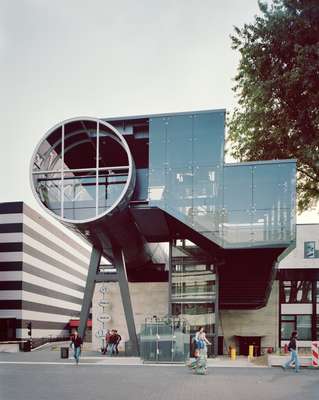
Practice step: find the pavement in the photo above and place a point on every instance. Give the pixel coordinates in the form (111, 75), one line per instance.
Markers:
(43, 375)
(50, 354)
(89, 381)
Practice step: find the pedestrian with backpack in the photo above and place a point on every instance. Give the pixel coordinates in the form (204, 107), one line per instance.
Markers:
(293, 348)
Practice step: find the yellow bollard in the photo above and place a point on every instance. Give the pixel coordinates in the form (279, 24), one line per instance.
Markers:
(233, 354)
(251, 352)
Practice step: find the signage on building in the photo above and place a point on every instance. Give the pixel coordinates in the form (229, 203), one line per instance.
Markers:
(101, 333)
(104, 318)
(104, 303)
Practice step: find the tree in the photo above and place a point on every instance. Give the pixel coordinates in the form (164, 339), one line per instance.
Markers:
(277, 86)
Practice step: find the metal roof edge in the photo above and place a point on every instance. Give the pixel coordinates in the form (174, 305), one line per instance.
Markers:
(276, 161)
(130, 117)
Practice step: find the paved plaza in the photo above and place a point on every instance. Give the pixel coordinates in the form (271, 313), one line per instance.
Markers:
(44, 376)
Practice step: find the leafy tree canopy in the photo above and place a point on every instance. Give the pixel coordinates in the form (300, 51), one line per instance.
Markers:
(277, 86)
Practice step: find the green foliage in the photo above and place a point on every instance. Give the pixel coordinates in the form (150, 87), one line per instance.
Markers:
(277, 87)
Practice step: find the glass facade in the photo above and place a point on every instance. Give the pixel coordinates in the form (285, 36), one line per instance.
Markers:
(82, 169)
(236, 206)
(301, 323)
(295, 292)
(185, 167)
(194, 294)
(164, 340)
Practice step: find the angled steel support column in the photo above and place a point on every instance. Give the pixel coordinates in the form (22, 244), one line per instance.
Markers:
(89, 289)
(119, 262)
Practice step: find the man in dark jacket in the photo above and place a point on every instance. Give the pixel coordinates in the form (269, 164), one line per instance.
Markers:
(117, 339)
(293, 348)
(76, 344)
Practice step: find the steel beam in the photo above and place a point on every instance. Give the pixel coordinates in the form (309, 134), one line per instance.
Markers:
(89, 289)
(119, 263)
(106, 277)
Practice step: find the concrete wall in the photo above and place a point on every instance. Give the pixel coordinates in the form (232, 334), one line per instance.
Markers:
(262, 322)
(148, 299)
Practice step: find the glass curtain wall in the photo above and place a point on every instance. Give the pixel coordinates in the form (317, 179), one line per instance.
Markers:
(194, 294)
(185, 168)
(80, 170)
(235, 205)
(258, 204)
(164, 340)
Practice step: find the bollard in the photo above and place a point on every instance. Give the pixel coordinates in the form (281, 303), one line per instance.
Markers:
(233, 354)
(250, 352)
(314, 351)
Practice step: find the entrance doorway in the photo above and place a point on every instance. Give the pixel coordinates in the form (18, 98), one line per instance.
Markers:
(8, 329)
(245, 341)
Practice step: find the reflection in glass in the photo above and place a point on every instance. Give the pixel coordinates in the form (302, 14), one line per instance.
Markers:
(79, 195)
(208, 138)
(295, 292)
(304, 327)
(195, 282)
(157, 143)
(48, 155)
(92, 164)
(193, 291)
(179, 132)
(165, 340)
(111, 186)
(48, 187)
(286, 328)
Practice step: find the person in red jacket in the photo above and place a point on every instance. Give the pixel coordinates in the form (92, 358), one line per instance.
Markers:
(107, 341)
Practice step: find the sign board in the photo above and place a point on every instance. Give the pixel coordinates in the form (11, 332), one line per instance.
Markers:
(100, 333)
(104, 318)
(104, 303)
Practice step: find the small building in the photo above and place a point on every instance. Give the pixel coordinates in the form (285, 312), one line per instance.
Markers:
(42, 275)
(298, 279)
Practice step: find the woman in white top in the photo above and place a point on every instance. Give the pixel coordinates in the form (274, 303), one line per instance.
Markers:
(201, 336)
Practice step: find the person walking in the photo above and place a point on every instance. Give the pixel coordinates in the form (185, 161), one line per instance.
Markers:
(112, 341)
(202, 359)
(107, 341)
(293, 348)
(117, 340)
(200, 354)
(76, 344)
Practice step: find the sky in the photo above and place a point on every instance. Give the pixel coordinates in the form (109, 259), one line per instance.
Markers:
(100, 58)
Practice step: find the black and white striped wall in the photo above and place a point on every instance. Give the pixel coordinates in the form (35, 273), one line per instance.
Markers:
(42, 272)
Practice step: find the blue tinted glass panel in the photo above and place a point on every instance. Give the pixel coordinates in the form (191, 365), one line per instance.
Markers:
(79, 196)
(48, 186)
(238, 187)
(179, 195)
(237, 228)
(272, 185)
(110, 189)
(157, 190)
(141, 186)
(208, 137)
(157, 142)
(179, 141)
(207, 197)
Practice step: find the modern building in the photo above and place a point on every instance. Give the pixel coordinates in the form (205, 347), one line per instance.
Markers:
(127, 183)
(42, 275)
(298, 277)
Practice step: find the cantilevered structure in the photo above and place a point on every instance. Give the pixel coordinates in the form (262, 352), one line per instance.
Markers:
(123, 183)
